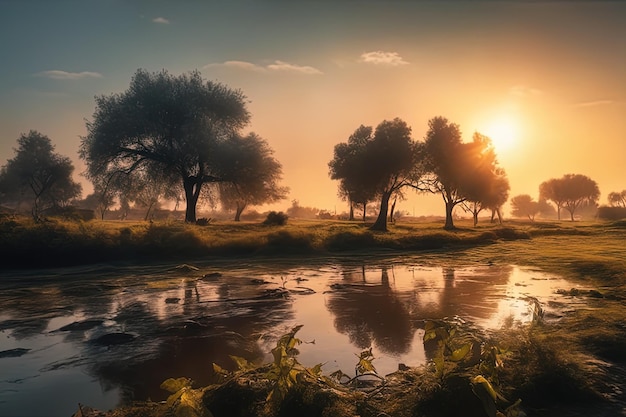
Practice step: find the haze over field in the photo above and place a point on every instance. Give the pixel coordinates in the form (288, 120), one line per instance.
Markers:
(544, 80)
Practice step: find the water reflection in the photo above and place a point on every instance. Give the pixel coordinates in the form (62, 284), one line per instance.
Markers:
(118, 333)
(373, 313)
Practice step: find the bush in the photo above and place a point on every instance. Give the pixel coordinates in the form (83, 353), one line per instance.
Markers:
(203, 221)
(276, 219)
(612, 213)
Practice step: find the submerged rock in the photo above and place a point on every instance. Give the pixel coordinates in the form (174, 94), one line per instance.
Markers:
(14, 353)
(114, 339)
(211, 275)
(80, 325)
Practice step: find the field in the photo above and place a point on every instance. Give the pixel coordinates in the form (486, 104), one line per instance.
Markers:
(570, 366)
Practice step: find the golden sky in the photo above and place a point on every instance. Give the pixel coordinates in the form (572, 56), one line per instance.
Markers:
(545, 80)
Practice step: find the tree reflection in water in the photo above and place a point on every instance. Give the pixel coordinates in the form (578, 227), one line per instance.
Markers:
(385, 313)
(372, 314)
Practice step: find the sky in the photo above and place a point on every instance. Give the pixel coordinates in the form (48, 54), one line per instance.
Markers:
(545, 80)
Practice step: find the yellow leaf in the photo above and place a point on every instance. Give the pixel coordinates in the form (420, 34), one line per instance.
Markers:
(174, 385)
(461, 352)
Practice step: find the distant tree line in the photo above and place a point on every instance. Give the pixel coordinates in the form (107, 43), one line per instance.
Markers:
(178, 139)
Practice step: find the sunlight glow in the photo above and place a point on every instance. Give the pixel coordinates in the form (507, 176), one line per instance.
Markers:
(504, 133)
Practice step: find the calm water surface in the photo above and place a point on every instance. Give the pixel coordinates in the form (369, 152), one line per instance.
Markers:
(103, 336)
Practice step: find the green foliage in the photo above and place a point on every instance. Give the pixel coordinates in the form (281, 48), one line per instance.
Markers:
(38, 176)
(365, 365)
(184, 401)
(286, 371)
(456, 353)
(450, 347)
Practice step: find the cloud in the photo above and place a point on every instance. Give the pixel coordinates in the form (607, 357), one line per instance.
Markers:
(65, 75)
(248, 66)
(594, 103)
(392, 59)
(277, 66)
(161, 20)
(524, 91)
(285, 66)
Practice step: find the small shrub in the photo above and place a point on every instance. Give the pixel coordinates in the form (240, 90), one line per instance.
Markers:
(276, 219)
(203, 221)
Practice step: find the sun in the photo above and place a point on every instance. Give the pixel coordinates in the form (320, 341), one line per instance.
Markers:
(504, 133)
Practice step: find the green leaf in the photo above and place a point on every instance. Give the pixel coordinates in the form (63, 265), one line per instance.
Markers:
(219, 370)
(439, 363)
(174, 385)
(480, 381)
(365, 362)
(242, 363)
(316, 370)
(461, 353)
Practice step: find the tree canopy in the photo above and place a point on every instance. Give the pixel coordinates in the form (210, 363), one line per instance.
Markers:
(487, 186)
(570, 192)
(250, 174)
(38, 176)
(167, 124)
(462, 172)
(350, 167)
(617, 199)
(378, 164)
(523, 205)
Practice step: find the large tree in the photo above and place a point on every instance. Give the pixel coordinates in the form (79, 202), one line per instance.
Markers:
(385, 162)
(38, 176)
(164, 123)
(460, 172)
(570, 192)
(250, 174)
(487, 186)
(349, 166)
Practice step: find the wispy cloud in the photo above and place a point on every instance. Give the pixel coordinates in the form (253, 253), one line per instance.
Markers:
(277, 66)
(65, 75)
(285, 66)
(594, 103)
(524, 91)
(161, 20)
(392, 59)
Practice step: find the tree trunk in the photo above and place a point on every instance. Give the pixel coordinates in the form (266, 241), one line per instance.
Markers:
(364, 211)
(240, 208)
(351, 211)
(393, 208)
(449, 220)
(475, 215)
(558, 212)
(192, 191)
(499, 215)
(381, 221)
(148, 211)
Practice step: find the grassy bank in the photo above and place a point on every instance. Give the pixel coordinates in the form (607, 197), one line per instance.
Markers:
(64, 243)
